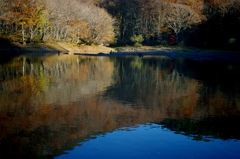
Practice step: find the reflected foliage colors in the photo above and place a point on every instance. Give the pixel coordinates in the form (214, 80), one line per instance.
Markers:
(50, 103)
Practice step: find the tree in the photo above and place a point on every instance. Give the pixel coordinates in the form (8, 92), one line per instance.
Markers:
(53, 20)
(137, 39)
(26, 14)
(99, 24)
(221, 24)
(180, 17)
(3, 15)
(100, 21)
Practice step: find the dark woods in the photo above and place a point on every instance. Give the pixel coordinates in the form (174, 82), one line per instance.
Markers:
(202, 23)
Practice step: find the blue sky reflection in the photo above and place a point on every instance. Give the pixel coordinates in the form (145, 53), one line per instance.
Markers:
(152, 142)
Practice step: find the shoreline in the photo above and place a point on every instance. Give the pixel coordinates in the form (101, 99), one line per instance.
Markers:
(52, 47)
(85, 50)
(191, 53)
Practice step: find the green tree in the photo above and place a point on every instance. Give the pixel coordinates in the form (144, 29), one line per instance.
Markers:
(137, 39)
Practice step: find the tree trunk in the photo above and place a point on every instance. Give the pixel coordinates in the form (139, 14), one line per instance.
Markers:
(31, 34)
(42, 34)
(177, 38)
(23, 35)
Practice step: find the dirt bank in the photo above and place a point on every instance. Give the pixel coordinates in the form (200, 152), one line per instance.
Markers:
(193, 53)
(53, 47)
(173, 52)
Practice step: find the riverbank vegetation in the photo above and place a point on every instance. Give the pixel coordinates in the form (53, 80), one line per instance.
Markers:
(29, 21)
(201, 23)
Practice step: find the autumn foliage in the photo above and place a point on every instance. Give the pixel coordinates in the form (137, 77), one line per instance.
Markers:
(196, 22)
(55, 20)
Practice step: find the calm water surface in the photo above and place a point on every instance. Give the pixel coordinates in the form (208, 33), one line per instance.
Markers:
(68, 106)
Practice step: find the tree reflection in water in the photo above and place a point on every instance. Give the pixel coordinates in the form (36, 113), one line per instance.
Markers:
(50, 103)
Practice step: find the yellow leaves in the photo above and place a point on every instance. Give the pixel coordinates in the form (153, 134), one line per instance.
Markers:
(22, 23)
(31, 83)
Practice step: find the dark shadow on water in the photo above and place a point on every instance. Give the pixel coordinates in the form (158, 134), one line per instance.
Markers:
(224, 128)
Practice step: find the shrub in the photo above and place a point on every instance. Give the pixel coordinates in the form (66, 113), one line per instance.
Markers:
(232, 44)
(181, 44)
(137, 39)
(137, 45)
(232, 41)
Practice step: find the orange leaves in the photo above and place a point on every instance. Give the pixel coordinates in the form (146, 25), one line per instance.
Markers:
(42, 20)
(25, 12)
(79, 28)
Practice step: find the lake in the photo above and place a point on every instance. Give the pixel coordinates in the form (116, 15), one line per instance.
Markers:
(68, 106)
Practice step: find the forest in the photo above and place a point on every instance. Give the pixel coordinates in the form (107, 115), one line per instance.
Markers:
(200, 23)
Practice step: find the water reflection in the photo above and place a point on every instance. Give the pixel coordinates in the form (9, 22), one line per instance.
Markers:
(151, 141)
(156, 86)
(51, 103)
